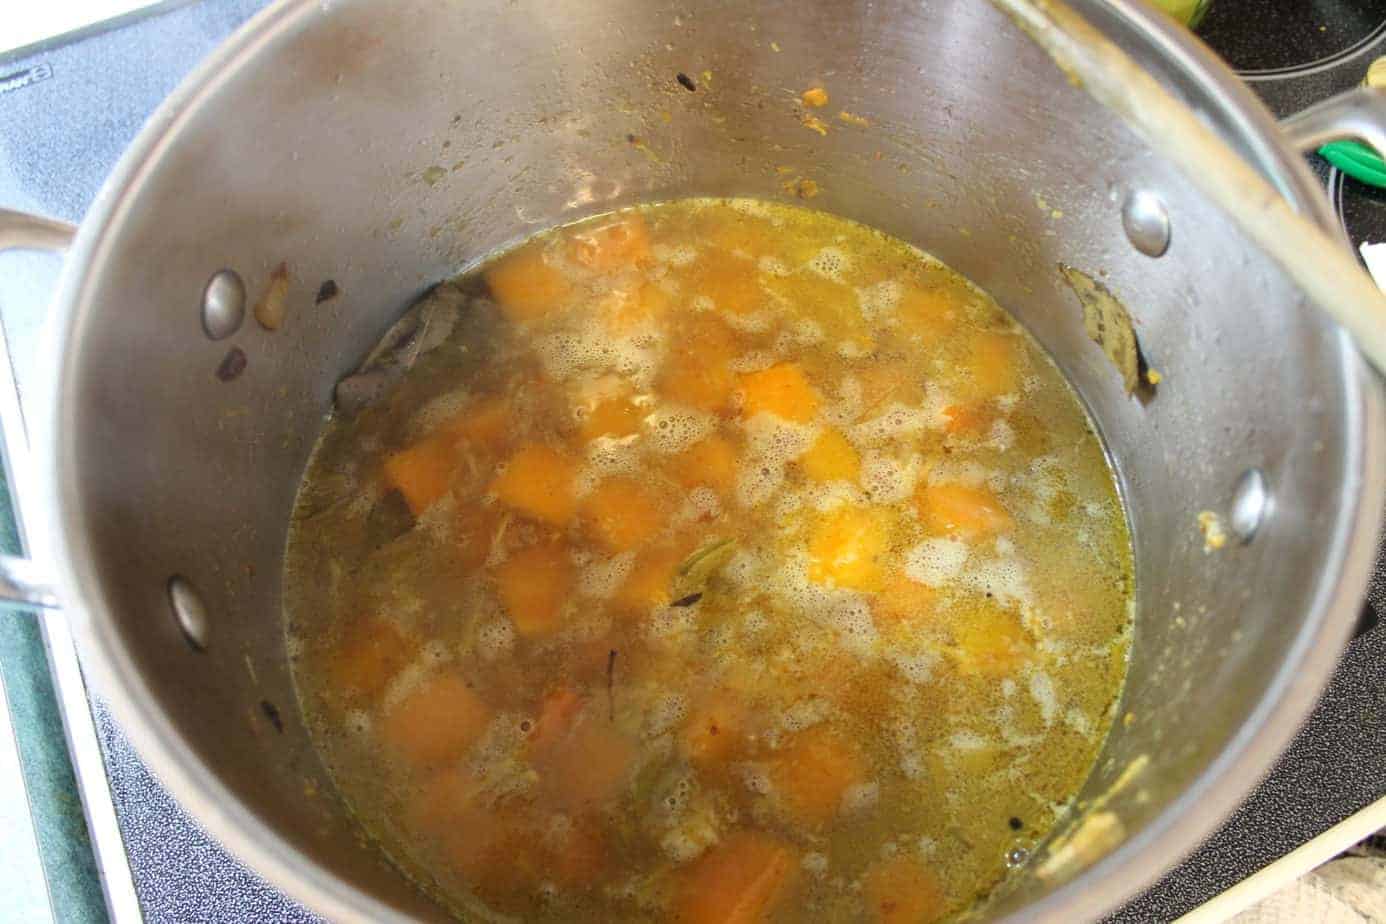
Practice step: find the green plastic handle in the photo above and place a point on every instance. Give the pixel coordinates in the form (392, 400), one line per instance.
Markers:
(1357, 161)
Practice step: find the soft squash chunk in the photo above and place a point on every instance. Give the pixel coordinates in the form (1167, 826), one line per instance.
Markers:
(742, 880)
(831, 458)
(782, 390)
(476, 528)
(903, 600)
(538, 481)
(715, 731)
(534, 584)
(890, 383)
(622, 514)
(746, 236)
(485, 424)
(972, 419)
(581, 759)
(627, 310)
(929, 315)
(710, 461)
(526, 287)
(580, 856)
(961, 510)
(902, 890)
(813, 772)
(731, 282)
(848, 548)
(499, 849)
(436, 723)
(371, 653)
(614, 416)
(706, 384)
(991, 641)
(612, 245)
(650, 579)
(423, 472)
(993, 364)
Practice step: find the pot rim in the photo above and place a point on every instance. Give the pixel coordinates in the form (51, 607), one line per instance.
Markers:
(1190, 818)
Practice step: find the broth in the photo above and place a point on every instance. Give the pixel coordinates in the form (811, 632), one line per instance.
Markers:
(726, 561)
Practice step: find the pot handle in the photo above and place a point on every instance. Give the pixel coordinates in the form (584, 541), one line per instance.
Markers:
(23, 580)
(1358, 114)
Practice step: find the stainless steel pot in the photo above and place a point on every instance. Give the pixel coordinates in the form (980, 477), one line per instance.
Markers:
(385, 145)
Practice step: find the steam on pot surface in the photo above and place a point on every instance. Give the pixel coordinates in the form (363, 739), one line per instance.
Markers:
(709, 561)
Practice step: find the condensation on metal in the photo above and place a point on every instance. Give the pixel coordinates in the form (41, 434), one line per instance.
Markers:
(189, 611)
(1251, 502)
(1146, 221)
(223, 304)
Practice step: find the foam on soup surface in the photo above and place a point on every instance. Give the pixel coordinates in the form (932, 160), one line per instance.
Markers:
(732, 562)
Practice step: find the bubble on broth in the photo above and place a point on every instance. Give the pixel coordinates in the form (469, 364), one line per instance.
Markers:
(1042, 689)
(671, 428)
(830, 263)
(894, 422)
(495, 638)
(804, 714)
(603, 577)
(860, 796)
(886, 479)
(936, 561)
(1001, 578)
(878, 302)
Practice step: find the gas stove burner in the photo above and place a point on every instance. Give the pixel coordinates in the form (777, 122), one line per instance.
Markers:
(1268, 40)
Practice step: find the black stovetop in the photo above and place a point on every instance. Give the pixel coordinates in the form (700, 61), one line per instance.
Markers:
(90, 95)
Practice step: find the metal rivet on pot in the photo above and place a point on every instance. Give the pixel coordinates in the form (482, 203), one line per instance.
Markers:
(1146, 221)
(1250, 503)
(223, 304)
(188, 611)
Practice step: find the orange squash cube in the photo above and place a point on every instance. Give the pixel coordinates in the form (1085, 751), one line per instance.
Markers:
(628, 310)
(887, 382)
(436, 723)
(993, 364)
(904, 601)
(971, 419)
(968, 512)
(848, 548)
(475, 529)
(582, 761)
(731, 282)
(372, 652)
(991, 642)
(813, 773)
(534, 584)
(650, 579)
(423, 472)
(622, 514)
(902, 890)
(526, 287)
(715, 731)
(703, 383)
(538, 482)
(485, 424)
(617, 416)
(742, 880)
(782, 390)
(710, 462)
(831, 458)
(929, 316)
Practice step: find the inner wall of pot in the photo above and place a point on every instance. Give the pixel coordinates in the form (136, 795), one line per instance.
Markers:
(384, 146)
